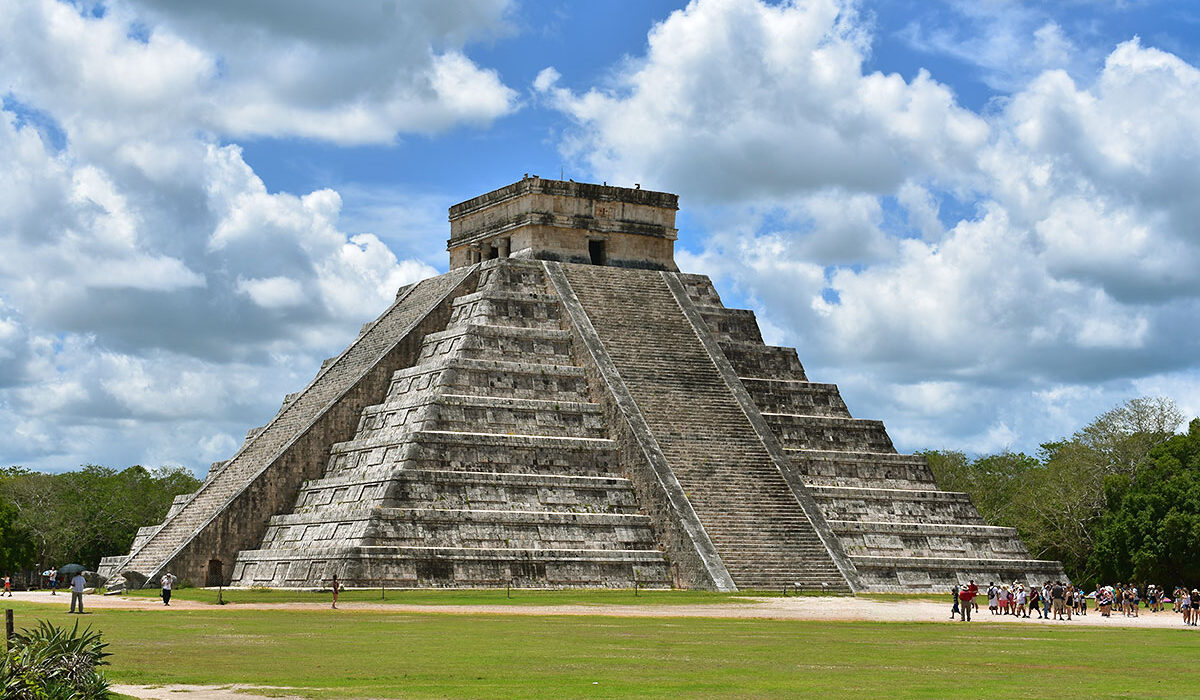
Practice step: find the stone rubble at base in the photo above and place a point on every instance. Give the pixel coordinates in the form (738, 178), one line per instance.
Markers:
(564, 408)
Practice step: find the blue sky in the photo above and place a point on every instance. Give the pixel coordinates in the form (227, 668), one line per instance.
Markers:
(978, 218)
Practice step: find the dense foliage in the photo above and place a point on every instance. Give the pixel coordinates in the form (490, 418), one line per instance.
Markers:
(52, 663)
(1151, 532)
(1082, 498)
(47, 520)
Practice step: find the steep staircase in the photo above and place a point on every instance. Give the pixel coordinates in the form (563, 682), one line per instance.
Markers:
(744, 504)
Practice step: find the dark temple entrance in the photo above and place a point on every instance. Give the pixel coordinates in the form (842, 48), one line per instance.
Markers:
(215, 576)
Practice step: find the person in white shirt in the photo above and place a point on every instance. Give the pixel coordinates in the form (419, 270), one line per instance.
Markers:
(167, 581)
(77, 585)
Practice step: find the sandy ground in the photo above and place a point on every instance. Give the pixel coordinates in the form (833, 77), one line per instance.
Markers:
(828, 609)
(196, 692)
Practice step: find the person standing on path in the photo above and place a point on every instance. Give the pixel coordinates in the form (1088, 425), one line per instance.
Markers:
(8, 585)
(335, 591)
(954, 597)
(53, 583)
(77, 585)
(167, 581)
(966, 599)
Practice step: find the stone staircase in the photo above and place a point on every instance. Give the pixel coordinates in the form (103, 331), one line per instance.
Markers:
(486, 464)
(901, 532)
(746, 507)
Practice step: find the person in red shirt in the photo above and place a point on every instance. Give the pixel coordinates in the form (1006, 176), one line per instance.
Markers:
(966, 598)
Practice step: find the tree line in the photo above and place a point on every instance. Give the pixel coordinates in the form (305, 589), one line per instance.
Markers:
(48, 520)
(1117, 501)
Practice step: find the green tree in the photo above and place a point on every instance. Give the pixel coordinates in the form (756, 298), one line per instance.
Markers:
(1150, 534)
(1122, 437)
(1057, 501)
(87, 514)
(16, 546)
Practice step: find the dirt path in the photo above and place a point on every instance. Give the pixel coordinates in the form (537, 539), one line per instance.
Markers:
(828, 609)
(198, 692)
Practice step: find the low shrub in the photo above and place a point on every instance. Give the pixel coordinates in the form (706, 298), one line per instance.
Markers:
(51, 663)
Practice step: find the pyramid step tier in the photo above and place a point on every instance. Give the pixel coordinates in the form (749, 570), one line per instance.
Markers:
(473, 413)
(503, 343)
(444, 527)
(513, 276)
(474, 489)
(468, 448)
(731, 325)
(895, 505)
(863, 469)
(501, 307)
(875, 538)
(763, 361)
(370, 566)
(700, 289)
(829, 433)
(796, 397)
(939, 574)
(367, 489)
(511, 492)
(507, 379)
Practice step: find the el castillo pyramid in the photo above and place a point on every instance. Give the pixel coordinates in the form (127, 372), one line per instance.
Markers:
(565, 408)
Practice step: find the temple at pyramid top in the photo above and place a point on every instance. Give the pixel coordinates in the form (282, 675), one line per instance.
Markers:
(566, 221)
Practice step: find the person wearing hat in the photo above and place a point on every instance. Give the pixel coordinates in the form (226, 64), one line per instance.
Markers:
(966, 598)
(168, 580)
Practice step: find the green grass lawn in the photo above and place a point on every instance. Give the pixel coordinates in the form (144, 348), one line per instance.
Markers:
(468, 596)
(357, 654)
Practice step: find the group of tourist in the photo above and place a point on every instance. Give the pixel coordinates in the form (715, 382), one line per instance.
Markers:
(1059, 601)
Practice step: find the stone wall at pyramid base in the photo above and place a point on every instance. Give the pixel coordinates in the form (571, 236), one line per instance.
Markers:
(456, 567)
(938, 574)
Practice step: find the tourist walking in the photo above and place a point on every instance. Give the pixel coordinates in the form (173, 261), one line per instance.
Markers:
(53, 583)
(7, 586)
(167, 582)
(77, 585)
(954, 598)
(335, 591)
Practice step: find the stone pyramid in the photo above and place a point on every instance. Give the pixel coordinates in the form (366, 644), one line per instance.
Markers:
(565, 408)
